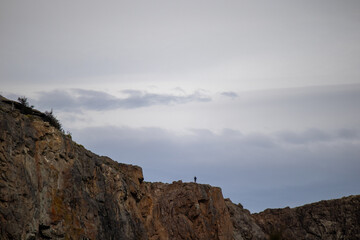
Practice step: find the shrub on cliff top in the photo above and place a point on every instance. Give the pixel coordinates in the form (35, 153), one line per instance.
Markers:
(24, 101)
(50, 118)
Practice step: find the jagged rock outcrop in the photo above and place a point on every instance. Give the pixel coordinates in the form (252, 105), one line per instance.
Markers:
(53, 188)
(185, 211)
(331, 219)
(244, 224)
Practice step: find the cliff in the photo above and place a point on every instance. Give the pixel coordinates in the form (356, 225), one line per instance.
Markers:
(332, 219)
(53, 188)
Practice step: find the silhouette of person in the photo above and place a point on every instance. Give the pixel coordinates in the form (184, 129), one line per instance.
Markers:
(195, 179)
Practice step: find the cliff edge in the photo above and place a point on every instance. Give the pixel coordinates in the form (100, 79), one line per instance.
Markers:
(53, 188)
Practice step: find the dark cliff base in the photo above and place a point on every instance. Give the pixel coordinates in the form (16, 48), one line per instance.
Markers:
(53, 188)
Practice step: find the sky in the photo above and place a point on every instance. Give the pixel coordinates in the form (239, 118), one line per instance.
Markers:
(260, 98)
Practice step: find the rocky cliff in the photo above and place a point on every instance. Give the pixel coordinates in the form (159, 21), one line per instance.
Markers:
(332, 219)
(53, 188)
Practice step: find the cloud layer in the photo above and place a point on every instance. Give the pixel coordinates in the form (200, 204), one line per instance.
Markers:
(230, 94)
(79, 99)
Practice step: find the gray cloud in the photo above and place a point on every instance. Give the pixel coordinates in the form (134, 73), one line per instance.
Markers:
(348, 133)
(230, 94)
(258, 170)
(308, 136)
(142, 99)
(313, 135)
(80, 99)
(325, 107)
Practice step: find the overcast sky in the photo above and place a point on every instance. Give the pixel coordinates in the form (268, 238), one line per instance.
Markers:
(260, 98)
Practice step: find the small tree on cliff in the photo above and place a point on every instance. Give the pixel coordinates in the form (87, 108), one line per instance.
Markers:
(24, 101)
(53, 120)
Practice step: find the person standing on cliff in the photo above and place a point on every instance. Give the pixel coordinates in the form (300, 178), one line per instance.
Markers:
(195, 179)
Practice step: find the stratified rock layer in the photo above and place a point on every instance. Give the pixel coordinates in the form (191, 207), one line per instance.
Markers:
(53, 188)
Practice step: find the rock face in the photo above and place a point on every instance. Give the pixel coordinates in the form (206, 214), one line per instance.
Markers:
(244, 224)
(332, 219)
(185, 211)
(53, 188)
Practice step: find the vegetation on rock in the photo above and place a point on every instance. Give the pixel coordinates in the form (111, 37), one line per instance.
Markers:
(50, 118)
(24, 101)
